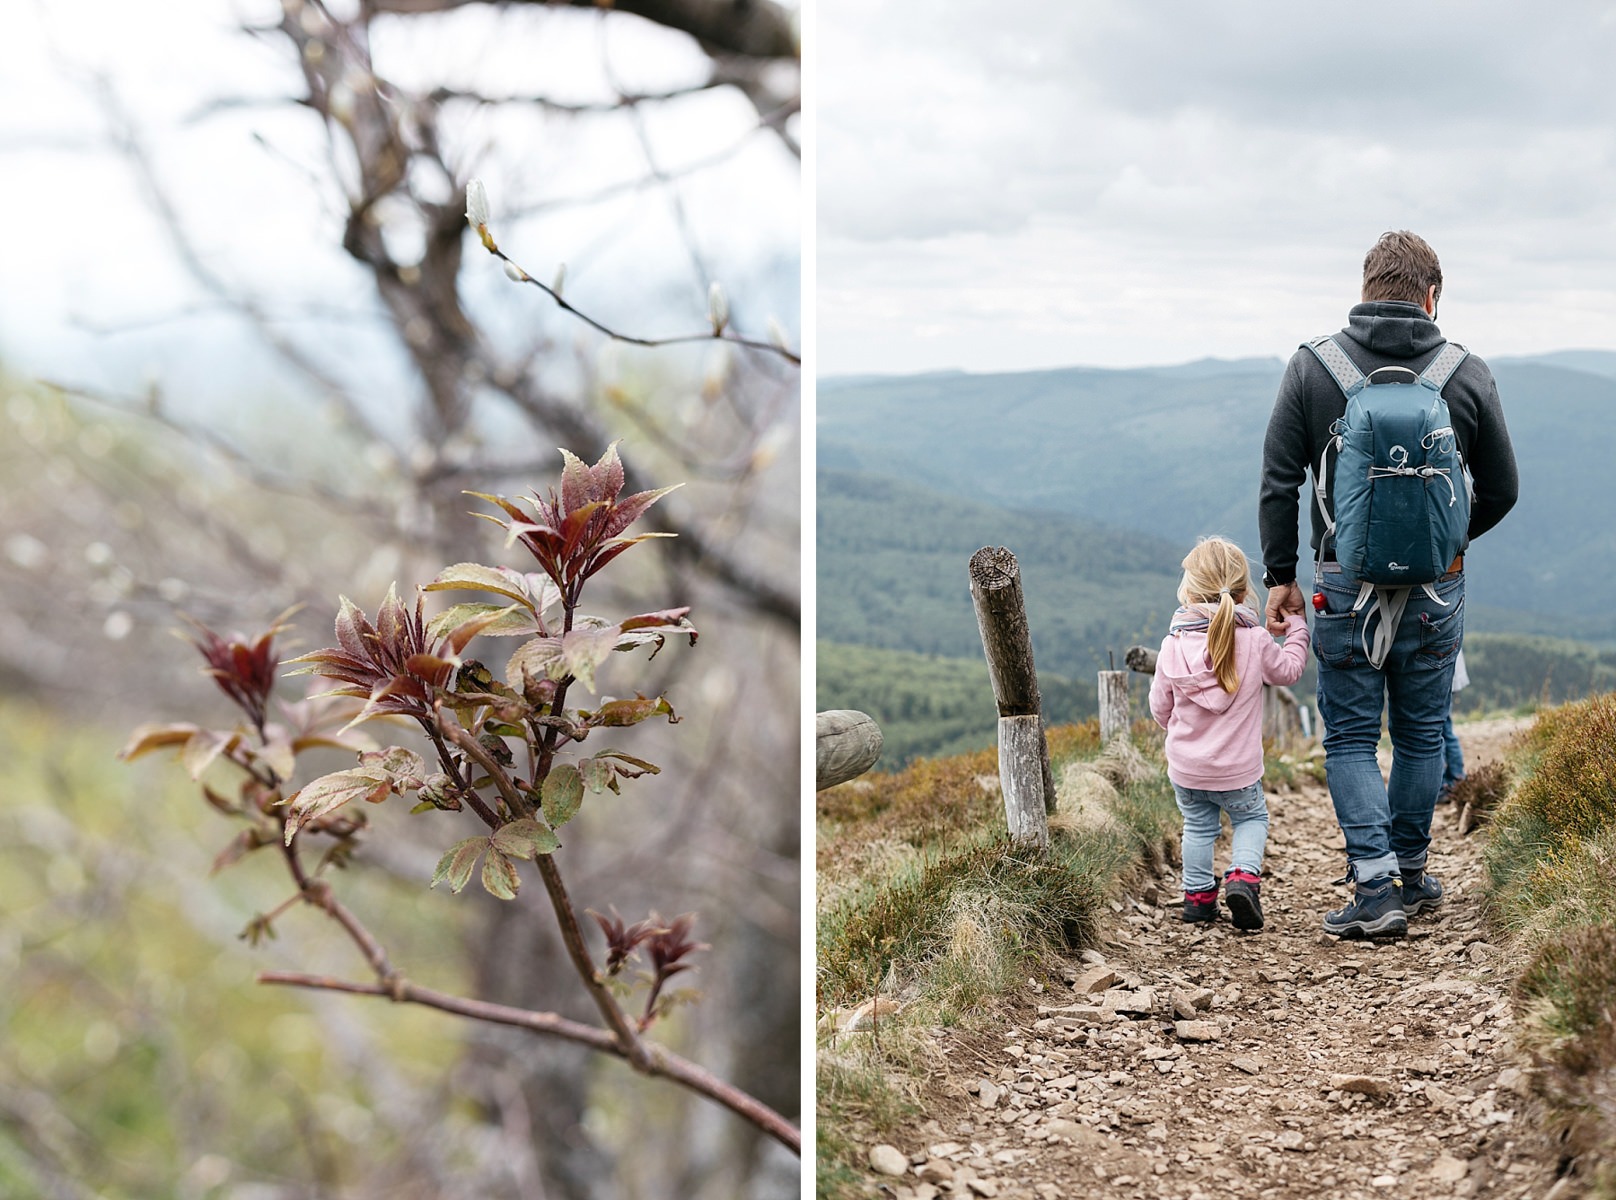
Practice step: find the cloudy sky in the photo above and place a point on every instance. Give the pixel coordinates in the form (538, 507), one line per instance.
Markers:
(1005, 186)
(91, 289)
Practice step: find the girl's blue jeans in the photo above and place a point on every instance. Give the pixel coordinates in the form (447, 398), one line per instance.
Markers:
(1248, 816)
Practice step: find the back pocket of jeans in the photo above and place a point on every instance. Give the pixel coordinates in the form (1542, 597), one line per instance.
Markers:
(1336, 630)
(1442, 633)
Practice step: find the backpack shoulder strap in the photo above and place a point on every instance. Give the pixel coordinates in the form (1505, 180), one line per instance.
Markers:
(1441, 368)
(1342, 369)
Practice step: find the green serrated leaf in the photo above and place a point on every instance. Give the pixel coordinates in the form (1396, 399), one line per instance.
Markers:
(279, 756)
(477, 578)
(598, 775)
(457, 863)
(583, 650)
(331, 792)
(203, 747)
(465, 621)
(562, 794)
(525, 838)
(407, 769)
(636, 766)
(631, 712)
(537, 659)
(499, 876)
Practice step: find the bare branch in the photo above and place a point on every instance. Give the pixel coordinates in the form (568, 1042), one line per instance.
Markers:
(752, 28)
(660, 1061)
(708, 335)
(128, 141)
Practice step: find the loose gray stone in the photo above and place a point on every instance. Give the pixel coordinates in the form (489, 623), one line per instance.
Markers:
(1367, 1085)
(888, 1160)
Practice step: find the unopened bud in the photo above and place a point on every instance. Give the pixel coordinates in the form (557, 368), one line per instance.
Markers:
(560, 280)
(516, 272)
(777, 334)
(717, 307)
(476, 205)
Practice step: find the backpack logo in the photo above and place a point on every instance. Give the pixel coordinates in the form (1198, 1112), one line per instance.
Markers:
(1397, 508)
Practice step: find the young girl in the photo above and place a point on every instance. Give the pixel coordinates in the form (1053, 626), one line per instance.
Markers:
(1207, 694)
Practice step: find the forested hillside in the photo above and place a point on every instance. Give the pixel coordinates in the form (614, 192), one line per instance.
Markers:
(1175, 452)
(891, 567)
(928, 706)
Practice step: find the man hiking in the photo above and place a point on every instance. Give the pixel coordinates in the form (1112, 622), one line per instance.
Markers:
(1387, 625)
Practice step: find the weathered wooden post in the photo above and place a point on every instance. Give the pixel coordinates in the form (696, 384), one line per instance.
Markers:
(1025, 778)
(846, 744)
(1115, 720)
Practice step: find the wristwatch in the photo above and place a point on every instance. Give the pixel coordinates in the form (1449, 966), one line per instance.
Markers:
(1268, 580)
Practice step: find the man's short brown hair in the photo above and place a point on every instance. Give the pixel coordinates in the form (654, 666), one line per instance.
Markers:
(1401, 266)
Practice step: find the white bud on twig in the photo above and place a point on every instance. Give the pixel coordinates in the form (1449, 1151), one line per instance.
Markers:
(717, 307)
(516, 272)
(777, 334)
(560, 280)
(477, 205)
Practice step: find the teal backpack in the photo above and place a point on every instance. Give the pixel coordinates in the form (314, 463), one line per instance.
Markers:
(1398, 508)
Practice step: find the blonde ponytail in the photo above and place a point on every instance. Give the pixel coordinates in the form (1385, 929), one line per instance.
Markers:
(1220, 644)
(1217, 572)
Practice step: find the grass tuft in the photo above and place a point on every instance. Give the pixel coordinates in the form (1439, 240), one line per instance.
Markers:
(1551, 867)
(1568, 992)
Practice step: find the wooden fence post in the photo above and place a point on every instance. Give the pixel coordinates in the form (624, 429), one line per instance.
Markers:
(1115, 720)
(1025, 777)
(846, 744)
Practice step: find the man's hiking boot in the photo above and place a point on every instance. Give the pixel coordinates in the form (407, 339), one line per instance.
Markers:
(1420, 891)
(1376, 911)
(1201, 907)
(1242, 892)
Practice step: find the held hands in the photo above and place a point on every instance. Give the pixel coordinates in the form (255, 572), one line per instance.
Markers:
(1283, 600)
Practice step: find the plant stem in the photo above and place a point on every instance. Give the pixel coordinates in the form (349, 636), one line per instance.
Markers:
(661, 1061)
(461, 737)
(631, 1046)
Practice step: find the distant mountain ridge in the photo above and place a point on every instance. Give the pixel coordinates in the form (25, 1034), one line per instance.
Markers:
(1173, 452)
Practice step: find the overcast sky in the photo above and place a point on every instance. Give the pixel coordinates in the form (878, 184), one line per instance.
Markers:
(81, 253)
(1012, 185)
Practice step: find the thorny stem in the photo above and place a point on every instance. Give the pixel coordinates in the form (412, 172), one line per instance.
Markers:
(660, 1061)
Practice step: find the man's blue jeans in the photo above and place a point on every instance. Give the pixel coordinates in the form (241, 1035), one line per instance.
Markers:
(1248, 819)
(1387, 825)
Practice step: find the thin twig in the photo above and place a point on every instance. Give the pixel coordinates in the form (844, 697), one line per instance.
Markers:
(680, 339)
(660, 1061)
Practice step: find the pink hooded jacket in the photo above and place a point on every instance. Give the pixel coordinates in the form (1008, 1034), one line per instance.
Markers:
(1214, 737)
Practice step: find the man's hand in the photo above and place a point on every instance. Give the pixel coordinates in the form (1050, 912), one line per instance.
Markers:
(1282, 599)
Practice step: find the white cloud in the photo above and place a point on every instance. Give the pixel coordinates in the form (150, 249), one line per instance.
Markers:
(1111, 183)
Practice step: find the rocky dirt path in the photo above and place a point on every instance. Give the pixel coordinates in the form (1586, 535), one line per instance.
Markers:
(1199, 1063)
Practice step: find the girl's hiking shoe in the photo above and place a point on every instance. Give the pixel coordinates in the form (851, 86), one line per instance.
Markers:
(1420, 891)
(1242, 892)
(1376, 911)
(1200, 907)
